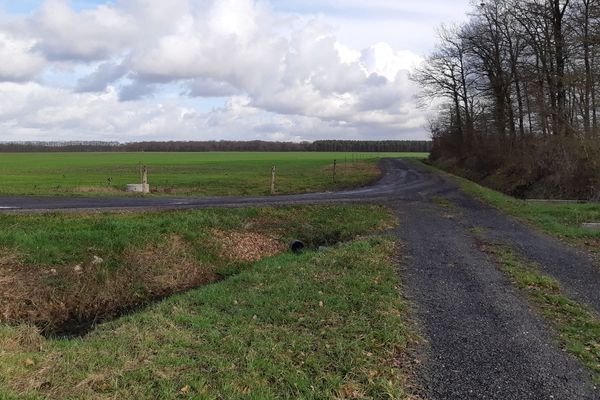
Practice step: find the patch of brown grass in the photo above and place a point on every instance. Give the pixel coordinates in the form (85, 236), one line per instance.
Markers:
(177, 190)
(9, 257)
(247, 246)
(24, 338)
(59, 297)
(96, 189)
(51, 297)
(170, 264)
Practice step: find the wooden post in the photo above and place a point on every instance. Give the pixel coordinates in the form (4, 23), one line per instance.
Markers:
(273, 171)
(334, 168)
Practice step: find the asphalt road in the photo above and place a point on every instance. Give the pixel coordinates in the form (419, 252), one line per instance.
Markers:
(484, 341)
(400, 181)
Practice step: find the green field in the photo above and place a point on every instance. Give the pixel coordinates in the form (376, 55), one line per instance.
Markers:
(202, 304)
(327, 323)
(201, 174)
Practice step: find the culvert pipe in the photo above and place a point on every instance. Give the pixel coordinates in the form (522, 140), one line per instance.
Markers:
(296, 246)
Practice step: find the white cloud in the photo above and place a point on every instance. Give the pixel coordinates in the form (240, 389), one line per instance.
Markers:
(19, 62)
(63, 34)
(285, 76)
(381, 59)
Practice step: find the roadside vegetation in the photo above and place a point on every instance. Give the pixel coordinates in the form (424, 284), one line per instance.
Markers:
(578, 327)
(199, 174)
(516, 88)
(62, 272)
(563, 220)
(327, 323)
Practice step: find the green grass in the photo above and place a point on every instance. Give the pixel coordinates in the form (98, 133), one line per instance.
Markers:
(559, 219)
(204, 174)
(578, 327)
(65, 239)
(318, 325)
(49, 276)
(443, 202)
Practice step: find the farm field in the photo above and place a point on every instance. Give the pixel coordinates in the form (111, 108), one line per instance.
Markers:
(327, 323)
(198, 174)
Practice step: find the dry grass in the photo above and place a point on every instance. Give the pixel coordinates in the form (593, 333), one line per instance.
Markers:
(288, 327)
(96, 189)
(247, 246)
(50, 297)
(169, 266)
(63, 274)
(25, 338)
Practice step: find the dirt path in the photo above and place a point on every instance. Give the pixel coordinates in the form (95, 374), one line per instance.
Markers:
(484, 340)
(573, 268)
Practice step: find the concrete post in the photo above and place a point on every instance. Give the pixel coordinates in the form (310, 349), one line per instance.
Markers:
(145, 186)
(145, 175)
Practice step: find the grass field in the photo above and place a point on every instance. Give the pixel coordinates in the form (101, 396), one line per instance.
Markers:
(203, 174)
(323, 324)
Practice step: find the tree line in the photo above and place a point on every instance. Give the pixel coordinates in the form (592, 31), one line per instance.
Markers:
(206, 146)
(519, 84)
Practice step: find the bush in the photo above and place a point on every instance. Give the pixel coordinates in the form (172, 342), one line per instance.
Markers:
(554, 168)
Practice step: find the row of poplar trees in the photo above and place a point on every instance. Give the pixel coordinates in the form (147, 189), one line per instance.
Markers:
(518, 70)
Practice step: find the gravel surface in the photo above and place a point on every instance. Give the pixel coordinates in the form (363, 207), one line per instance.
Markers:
(484, 341)
(574, 268)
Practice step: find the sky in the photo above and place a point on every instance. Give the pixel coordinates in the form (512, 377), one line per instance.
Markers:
(283, 70)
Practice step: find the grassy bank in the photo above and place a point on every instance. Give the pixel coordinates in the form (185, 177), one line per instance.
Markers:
(204, 174)
(320, 325)
(563, 220)
(578, 327)
(63, 270)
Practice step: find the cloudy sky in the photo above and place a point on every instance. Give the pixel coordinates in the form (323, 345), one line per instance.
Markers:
(129, 70)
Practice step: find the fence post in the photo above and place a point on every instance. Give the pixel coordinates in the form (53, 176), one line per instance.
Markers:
(273, 173)
(334, 168)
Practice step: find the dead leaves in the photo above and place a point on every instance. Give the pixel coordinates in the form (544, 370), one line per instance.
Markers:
(247, 246)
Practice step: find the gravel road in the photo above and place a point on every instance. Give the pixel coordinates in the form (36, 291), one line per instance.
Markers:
(484, 341)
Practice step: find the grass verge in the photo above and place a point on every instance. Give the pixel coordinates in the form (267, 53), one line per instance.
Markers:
(558, 219)
(63, 272)
(578, 327)
(319, 325)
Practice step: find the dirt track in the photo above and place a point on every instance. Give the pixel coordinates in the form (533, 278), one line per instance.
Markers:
(484, 339)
